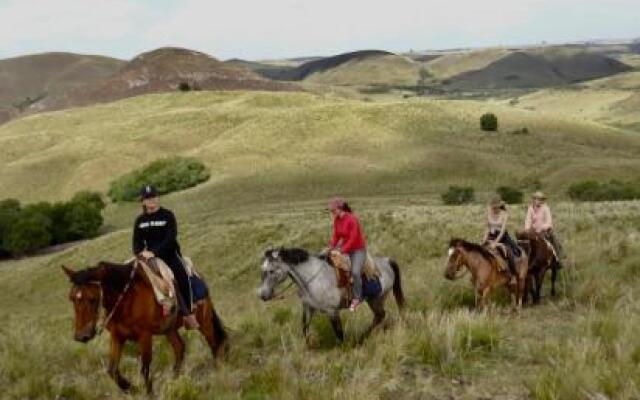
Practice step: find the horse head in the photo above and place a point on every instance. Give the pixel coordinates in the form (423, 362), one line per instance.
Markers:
(276, 265)
(85, 294)
(455, 260)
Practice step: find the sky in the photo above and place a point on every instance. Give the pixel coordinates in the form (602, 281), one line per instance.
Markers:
(268, 29)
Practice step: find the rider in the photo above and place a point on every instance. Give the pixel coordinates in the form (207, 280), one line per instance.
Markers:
(155, 235)
(497, 216)
(349, 239)
(539, 220)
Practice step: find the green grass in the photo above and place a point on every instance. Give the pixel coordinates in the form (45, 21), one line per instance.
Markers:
(584, 337)
(274, 160)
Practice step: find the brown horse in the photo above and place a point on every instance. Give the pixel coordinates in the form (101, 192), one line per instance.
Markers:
(541, 258)
(486, 271)
(133, 314)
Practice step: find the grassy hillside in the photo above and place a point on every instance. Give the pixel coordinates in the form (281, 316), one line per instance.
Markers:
(275, 158)
(586, 338)
(384, 69)
(613, 100)
(265, 147)
(46, 75)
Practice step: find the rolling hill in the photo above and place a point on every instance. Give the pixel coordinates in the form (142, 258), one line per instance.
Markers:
(305, 145)
(164, 70)
(30, 79)
(535, 70)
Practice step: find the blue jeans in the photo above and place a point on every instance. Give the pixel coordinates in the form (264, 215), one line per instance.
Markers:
(357, 257)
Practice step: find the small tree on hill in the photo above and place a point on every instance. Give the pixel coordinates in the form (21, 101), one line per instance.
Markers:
(489, 122)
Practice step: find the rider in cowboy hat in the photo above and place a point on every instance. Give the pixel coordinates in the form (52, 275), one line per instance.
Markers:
(497, 216)
(539, 220)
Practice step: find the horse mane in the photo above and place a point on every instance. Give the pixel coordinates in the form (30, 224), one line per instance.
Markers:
(294, 255)
(474, 247)
(108, 274)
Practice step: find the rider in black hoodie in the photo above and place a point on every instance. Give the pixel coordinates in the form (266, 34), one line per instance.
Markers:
(155, 235)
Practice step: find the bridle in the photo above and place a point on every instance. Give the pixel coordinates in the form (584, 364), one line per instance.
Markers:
(107, 319)
(457, 263)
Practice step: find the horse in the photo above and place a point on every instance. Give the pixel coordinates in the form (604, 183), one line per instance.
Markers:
(541, 258)
(486, 273)
(133, 314)
(318, 287)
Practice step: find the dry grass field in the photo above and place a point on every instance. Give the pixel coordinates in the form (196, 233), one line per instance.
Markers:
(274, 159)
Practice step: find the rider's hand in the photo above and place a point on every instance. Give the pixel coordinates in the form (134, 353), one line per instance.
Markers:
(147, 254)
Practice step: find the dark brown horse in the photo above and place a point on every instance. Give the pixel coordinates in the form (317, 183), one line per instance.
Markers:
(541, 258)
(133, 314)
(487, 271)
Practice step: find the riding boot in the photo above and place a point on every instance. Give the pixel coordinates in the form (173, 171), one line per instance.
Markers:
(511, 262)
(551, 237)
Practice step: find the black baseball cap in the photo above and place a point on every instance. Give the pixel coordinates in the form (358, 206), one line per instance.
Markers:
(148, 192)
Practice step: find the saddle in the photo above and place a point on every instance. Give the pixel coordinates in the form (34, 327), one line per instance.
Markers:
(161, 279)
(500, 254)
(342, 266)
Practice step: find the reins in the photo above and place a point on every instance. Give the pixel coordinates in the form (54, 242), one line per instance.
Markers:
(107, 319)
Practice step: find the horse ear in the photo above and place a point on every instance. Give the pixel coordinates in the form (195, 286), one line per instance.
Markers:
(70, 273)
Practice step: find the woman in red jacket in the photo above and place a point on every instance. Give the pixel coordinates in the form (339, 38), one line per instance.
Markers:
(349, 239)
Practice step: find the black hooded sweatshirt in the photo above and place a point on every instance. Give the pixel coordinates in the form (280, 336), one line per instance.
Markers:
(157, 232)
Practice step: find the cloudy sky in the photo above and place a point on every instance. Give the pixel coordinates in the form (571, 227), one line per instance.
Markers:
(260, 29)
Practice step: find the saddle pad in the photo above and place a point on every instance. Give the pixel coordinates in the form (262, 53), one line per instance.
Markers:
(161, 279)
(499, 252)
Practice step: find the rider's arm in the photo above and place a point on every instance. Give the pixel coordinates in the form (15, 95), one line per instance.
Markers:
(335, 240)
(170, 235)
(528, 219)
(352, 235)
(137, 244)
(503, 228)
(548, 223)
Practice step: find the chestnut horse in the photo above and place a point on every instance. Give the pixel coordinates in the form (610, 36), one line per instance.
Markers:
(133, 314)
(541, 258)
(486, 273)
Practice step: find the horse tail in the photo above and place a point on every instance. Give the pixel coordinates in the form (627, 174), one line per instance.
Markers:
(219, 332)
(397, 285)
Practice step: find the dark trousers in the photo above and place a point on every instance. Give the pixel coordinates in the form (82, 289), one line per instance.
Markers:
(513, 250)
(182, 283)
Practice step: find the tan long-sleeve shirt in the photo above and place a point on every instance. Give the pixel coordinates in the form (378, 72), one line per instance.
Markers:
(538, 218)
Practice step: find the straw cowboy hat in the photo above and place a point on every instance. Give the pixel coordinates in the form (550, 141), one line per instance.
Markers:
(496, 202)
(539, 195)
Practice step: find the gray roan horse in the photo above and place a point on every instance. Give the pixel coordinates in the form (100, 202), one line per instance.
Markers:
(318, 288)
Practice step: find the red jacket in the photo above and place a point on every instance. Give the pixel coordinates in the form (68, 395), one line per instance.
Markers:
(348, 229)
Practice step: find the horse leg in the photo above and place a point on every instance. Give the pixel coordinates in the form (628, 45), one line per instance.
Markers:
(178, 350)
(307, 316)
(336, 324)
(114, 361)
(377, 306)
(210, 326)
(145, 343)
(554, 275)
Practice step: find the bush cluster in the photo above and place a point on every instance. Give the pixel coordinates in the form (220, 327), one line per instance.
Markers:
(591, 190)
(510, 194)
(167, 175)
(25, 229)
(457, 195)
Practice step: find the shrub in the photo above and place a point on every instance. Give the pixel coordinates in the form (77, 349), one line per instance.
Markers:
(521, 131)
(167, 175)
(591, 190)
(184, 87)
(457, 195)
(24, 230)
(30, 231)
(489, 122)
(510, 195)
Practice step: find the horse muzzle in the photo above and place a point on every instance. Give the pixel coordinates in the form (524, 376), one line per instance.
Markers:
(265, 294)
(85, 335)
